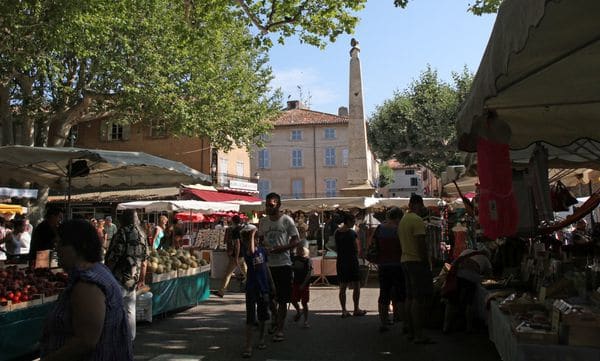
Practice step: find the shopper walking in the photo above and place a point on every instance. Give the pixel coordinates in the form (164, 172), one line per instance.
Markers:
(258, 287)
(347, 264)
(278, 234)
(232, 240)
(391, 278)
(417, 272)
(302, 268)
(126, 258)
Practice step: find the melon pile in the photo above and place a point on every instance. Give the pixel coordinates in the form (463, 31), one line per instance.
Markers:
(170, 259)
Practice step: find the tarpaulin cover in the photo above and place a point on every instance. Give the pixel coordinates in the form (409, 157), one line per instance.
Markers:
(20, 330)
(179, 292)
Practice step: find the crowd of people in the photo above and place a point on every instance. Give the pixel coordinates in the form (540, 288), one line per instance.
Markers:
(107, 264)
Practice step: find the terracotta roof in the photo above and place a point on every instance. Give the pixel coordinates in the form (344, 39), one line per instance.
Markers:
(394, 164)
(293, 117)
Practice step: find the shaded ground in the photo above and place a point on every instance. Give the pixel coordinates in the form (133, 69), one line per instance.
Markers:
(214, 330)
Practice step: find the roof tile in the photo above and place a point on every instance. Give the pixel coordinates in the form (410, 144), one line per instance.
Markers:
(295, 117)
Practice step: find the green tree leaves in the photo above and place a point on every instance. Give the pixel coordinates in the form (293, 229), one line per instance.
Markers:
(479, 7)
(417, 125)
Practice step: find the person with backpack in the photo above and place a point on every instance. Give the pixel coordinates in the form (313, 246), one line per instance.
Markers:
(126, 258)
(232, 240)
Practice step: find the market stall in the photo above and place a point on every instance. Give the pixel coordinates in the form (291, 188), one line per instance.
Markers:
(537, 87)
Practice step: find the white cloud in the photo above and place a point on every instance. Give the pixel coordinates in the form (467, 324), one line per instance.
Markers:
(323, 96)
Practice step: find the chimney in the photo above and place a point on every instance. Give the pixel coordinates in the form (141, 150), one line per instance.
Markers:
(343, 111)
(294, 104)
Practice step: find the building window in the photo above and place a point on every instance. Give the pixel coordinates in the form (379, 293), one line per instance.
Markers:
(264, 161)
(158, 129)
(329, 133)
(414, 182)
(345, 157)
(239, 168)
(330, 157)
(409, 172)
(223, 170)
(110, 131)
(297, 158)
(264, 188)
(296, 135)
(116, 132)
(330, 187)
(297, 188)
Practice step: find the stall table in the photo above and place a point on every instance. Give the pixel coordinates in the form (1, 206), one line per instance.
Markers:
(510, 349)
(20, 330)
(323, 267)
(179, 292)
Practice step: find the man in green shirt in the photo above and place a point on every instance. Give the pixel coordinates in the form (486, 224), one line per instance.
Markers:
(417, 272)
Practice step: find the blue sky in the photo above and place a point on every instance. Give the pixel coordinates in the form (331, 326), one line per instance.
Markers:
(396, 45)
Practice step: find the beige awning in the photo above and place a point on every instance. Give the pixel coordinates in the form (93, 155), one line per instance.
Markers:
(539, 78)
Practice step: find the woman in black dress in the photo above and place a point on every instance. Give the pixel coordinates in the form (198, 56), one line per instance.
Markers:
(347, 264)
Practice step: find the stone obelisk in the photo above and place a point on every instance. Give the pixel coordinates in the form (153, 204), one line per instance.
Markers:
(359, 173)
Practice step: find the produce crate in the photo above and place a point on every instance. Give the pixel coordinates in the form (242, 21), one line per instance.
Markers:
(205, 268)
(163, 276)
(47, 299)
(188, 272)
(26, 304)
(5, 306)
(536, 336)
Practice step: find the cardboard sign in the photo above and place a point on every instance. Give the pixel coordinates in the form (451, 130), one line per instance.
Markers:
(42, 259)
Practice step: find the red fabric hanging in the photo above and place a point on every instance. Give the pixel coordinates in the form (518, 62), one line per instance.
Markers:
(498, 212)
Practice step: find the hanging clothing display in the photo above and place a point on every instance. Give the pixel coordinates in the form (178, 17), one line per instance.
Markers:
(498, 212)
(538, 172)
(460, 240)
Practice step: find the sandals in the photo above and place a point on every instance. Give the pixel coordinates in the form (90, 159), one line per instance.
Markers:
(261, 346)
(346, 314)
(359, 313)
(306, 325)
(278, 337)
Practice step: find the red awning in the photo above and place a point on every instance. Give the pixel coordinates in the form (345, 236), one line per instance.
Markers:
(212, 196)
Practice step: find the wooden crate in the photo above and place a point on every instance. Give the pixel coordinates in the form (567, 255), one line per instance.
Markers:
(582, 329)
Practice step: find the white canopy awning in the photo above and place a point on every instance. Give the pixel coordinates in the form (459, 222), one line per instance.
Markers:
(180, 206)
(539, 78)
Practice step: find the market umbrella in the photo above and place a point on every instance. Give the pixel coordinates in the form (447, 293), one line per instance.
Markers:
(65, 169)
(538, 78)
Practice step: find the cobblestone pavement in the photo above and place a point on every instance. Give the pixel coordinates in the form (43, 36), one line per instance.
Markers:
(214, 330)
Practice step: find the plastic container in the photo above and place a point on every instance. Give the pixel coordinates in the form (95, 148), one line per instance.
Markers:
(143, 307)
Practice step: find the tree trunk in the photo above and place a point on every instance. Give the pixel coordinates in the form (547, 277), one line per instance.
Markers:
(6, 116)
(58, 132)
(37, 208)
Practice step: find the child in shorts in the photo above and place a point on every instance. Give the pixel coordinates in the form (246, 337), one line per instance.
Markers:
(259, 284)
(302, 269)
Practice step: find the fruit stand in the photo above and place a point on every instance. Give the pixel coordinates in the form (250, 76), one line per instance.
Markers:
(177, 279)
(26, 296)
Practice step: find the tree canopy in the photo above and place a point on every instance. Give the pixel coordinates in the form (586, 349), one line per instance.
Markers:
(417, 125)
(199, 65)
(479, 7)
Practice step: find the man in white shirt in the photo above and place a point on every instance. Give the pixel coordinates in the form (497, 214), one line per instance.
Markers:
(278, 235)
